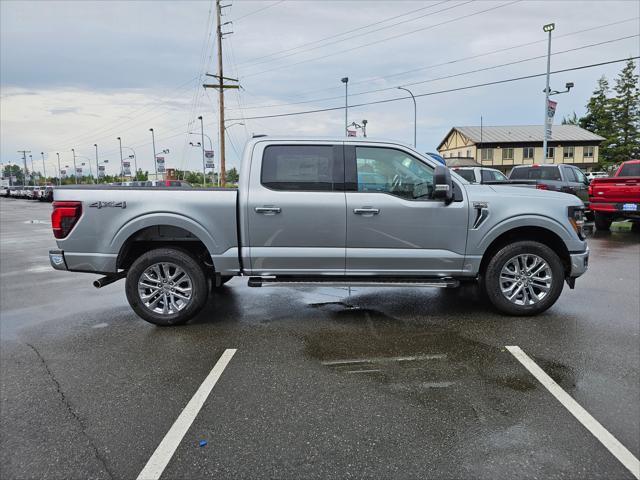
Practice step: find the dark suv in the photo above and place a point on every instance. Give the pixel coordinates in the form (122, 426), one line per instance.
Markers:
(559, 178)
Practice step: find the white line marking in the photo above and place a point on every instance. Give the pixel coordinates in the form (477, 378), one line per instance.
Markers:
(609, 441)
(433, 356)
(160, 458)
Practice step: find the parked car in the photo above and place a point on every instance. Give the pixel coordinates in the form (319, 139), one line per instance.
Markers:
(47, 194)
(616, 197)
(302, 216)
(557, 178)
(591, 175)
(14, 192)
(480, 174)
(36, 192)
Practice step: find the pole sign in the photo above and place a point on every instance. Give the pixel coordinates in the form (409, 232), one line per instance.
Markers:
(551, 111)
(161, 168)
(210, 164)
(126, 168)
(101, 171)
(160, 164)
(208, 154)
(79, 170)
(351, 133)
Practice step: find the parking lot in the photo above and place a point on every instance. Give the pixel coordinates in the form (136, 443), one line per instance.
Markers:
(325, 382)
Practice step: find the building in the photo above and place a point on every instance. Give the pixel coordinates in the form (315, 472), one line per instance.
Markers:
(504, 147)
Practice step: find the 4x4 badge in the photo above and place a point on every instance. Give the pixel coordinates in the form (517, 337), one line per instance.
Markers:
(109, 205)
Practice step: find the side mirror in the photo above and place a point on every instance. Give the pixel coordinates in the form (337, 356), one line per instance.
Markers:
(442, 184)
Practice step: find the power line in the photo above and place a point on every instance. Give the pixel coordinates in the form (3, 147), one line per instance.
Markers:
(301, 46)
(385, 39)
(467, 87)
(258, 10)
(469, 72)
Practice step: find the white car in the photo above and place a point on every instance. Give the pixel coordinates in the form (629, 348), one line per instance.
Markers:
(591, 175)
(480, 174)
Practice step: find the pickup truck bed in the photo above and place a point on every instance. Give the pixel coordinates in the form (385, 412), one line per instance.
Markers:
(616, 197)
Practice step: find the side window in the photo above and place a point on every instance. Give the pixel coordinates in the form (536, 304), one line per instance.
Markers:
(571, 177)
(393, 171)
(579, 175)
(492, 176)
(301, 167)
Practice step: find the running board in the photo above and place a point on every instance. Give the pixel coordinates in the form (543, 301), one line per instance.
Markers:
(351, 282)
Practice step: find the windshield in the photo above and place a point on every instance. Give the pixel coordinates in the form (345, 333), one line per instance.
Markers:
(630, 170)
(550, 172)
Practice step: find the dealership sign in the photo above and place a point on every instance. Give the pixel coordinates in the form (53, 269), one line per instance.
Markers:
(208, 153)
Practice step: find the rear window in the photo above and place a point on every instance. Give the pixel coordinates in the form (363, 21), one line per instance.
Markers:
(550, 172)
(468, 175)
(301, 167)
(630, 170)
(492, 176)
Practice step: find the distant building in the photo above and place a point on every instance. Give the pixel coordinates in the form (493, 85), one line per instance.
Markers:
(504, 147)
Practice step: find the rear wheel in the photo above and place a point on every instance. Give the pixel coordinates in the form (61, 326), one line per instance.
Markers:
(524, 278)
(603, 221)
(166, 286)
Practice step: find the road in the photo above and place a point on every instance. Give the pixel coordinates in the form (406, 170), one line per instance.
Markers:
(386, 383)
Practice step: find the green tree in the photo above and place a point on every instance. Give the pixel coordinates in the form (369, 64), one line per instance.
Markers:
(571, 119)
(625, 110)
(232, 176)
(599, 118)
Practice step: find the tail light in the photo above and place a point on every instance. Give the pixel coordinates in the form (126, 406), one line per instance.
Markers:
(542, 186)
(64, 216)
(590, 190)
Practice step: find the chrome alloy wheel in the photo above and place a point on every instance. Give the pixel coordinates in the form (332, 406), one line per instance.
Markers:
(525, 279)
(165, 288)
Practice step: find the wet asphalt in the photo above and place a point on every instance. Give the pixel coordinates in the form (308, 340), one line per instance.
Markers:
(326, 382)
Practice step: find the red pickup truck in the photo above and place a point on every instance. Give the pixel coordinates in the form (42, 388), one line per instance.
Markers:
(616, 197)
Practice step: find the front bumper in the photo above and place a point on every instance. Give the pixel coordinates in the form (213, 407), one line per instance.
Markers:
(56, 258)
(579, 263)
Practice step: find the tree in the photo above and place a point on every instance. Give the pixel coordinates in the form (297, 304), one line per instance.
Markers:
(599, 118)
(232, 176)
(625, 110)
(571, 120)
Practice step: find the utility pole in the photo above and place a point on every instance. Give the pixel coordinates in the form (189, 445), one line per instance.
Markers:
(33, 170)
(345, 80)
(97, 166)
(44, 168)
(24, 158)
(204, 178)
(59, 171)
(221, 86)
(155, 160)
(75, 170)
(121, 160)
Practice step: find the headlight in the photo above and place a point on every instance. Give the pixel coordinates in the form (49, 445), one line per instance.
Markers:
(576, 218)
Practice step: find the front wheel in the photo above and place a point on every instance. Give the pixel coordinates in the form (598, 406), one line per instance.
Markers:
(166, 286)
(524, 278)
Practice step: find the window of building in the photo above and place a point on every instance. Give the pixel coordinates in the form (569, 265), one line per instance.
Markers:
(301, 167)
(527, 153)
(588, 151)
(487, 154)
(551, 152)
(568, 152)
(507, 154)
(468, 153)
(393, 171)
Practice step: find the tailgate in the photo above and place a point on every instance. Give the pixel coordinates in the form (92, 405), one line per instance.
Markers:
(615, 190)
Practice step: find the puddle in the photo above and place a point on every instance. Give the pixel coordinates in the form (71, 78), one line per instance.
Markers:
(38, 222)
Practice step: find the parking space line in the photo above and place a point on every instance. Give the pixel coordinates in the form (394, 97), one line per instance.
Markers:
(602, 434)
(162, 455)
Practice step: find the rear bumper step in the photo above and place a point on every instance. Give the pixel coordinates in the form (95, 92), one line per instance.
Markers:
(351, 282)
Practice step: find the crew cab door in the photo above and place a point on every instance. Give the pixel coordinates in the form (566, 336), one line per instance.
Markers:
(295, 210)
(394, 226)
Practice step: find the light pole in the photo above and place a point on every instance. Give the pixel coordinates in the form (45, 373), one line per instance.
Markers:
(97, 169)
(33, 172)
(75, 171)
(345, 80)
(121, 160)
(415, 115)
(547, 28)
(204, 178)
(155, 163)
(59, 171)
(44, 168)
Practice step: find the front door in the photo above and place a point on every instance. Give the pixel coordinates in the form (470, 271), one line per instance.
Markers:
(296, 212)
(394, 226)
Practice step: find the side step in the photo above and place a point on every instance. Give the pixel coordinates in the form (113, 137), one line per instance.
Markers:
(446, 282)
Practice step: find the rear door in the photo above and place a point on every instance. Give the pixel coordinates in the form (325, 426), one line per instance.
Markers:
(296, 211)
(394, 227)
(581, 186)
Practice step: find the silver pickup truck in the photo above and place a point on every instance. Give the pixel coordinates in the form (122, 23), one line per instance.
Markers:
(323, 212)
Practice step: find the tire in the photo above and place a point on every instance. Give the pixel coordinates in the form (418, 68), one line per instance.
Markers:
(535, 293)
(603, 221)
(168, 303)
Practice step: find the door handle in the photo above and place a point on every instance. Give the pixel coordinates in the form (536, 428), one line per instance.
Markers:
(366, 211)
(268, 210)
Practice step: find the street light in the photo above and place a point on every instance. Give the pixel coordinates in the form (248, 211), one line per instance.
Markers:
(59, 171)
(97, 166)
(44, 168)
(547, 28)
(121, 160)
(415, 116)
(204, 178)
(155, 163)
(75, 171)
(345, 80)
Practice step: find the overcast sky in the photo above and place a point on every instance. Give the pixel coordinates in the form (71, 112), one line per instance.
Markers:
(80, 72)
